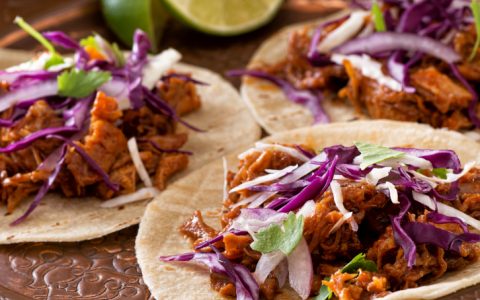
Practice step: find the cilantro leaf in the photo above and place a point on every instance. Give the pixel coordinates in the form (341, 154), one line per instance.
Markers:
(475, 7)
(440, 173)
(80, 84)
(273, 238)
(359, 262)
(378, 17)
(325, 292)
(372, 154)
(268, 239)
(55, 58)
(89, 41)
(118, 55)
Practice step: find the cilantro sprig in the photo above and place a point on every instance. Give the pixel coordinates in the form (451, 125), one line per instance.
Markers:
(284, 238)
(372, 154)
(440, 173)
(357, 263)
(55, 58)
(475, 7)
(378, 18)
(325, 292)
(79, 83)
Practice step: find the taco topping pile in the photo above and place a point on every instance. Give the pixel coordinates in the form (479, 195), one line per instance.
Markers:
(350, 222)
(96, 124)
(403, 60)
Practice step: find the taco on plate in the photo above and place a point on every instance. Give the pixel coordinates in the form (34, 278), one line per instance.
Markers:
(341, 211)
(84, 137)
(401, 60)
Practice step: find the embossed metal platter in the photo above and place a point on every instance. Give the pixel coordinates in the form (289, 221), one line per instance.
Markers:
(106, 268)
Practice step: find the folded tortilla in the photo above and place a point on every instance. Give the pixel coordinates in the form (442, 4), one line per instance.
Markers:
(203, 190)
(228, 126)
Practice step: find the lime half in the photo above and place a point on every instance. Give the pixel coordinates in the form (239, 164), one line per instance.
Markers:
(124, 16)
(224, 17)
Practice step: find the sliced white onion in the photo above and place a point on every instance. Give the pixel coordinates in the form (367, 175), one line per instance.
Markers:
(391, 190)
(38, 63)
(263, 179)
(367, 30)
(445, 209)
(408, 159)
(288, 150)
(158, 65)
(247, 200)
(117, 89)
(369, 68)
(307, 210)
(225, 182)
(338, 199)
(304, 169)
(140, 194)
(266, 264)
(344, 32)
(261, 199)
(44, 89)
(340, 222)
(451, 177)
(281, 272)
(339, 177)
(252, 223)
(376, 174)
(137, 162)
(300, 269)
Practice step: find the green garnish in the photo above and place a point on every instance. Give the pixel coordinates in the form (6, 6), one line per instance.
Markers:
(325, 292)
(89, 41)
(80, 84)
(118, 55)
(378, 18)
(372, 154)
(273, 238)
(475, 7)
(440, 173)
(55, 58)
(359, 262)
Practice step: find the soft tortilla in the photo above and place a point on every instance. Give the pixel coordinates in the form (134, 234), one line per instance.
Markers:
(158, 234)
(228, 123)
(272, 109)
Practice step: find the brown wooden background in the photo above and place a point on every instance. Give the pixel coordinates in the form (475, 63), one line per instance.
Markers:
(106, 268)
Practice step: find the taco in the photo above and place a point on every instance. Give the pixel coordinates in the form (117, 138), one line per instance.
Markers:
(386, 209)
(86, 139)
(407, 61)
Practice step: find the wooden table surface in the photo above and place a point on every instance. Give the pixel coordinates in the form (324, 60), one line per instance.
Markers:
(106, 268)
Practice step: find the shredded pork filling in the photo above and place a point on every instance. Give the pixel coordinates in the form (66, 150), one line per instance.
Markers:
(331, 248)
(439, 100)
(105, 142)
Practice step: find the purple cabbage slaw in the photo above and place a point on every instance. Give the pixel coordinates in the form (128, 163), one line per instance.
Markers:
(414, 29)
(340, 160)
(312, 99)
(246, 286)
(76, 112)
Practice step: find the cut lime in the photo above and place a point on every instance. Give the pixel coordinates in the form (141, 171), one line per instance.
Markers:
(224, 17)
(124, 16)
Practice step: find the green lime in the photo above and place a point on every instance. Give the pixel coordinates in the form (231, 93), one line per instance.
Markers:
(224, 17)
(124, 16)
